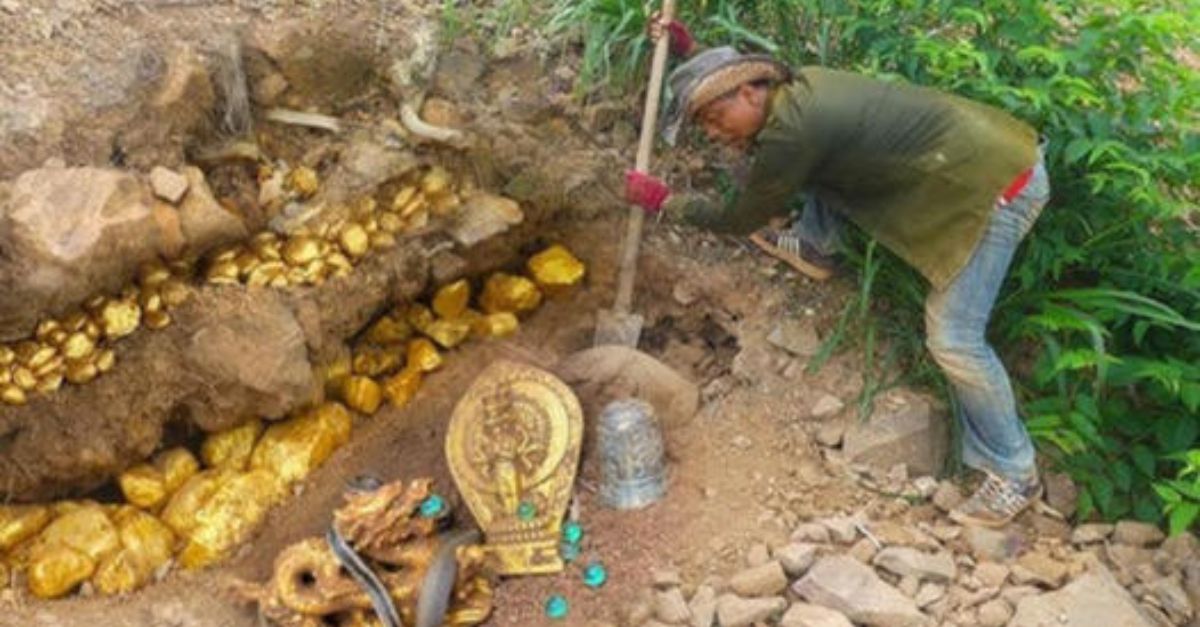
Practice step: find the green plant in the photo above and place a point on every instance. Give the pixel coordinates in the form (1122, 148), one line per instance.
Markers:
(1100, 319)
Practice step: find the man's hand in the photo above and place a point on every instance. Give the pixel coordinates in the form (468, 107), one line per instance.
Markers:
(645, 190)
(682, 42)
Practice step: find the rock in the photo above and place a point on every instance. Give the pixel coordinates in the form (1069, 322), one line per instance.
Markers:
(1173, 599)
(991, 574)
(601, 374)
(1136, 533)
(846, 585)
(830, 434)
(1184, 547)
(168, 184)
(205, 223)
(67, 234)
(826, 406)
(760, 581)
(864, 551)
(443, 113)
(909, 586)
(904, 561)
(641, 609)
(1049, 526)
(912, 434)
(1126, 560)
(811, 532)
(994, 613)
(806, 615)
(734, 611)
(925, 487)
(758, 555)
(269, 88)
(893, 533)
(1091, 533)
(796, 558)
(663, 578)
(1093, 599)
(929, 593)
(1061, 493)
(993, 545)
(703, 607)
(842, 529)
(1039, 569)
(948, 496)
(796, 336)
(670, 607)
(483, 216)
(1015, 594)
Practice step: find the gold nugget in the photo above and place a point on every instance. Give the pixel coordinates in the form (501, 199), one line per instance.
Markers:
(301, 250)
(506, 292)
(354, 240)
(451, 300)
(120, 318)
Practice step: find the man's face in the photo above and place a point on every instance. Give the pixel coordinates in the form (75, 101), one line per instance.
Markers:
(735, 118)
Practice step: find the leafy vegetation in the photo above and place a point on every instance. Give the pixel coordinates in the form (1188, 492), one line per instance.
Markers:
(1099, 319)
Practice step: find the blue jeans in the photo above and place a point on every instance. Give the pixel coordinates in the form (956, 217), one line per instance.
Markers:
(994, 438)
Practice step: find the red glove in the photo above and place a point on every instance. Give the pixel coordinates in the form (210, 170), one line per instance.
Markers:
(645, 190)
(681, 40)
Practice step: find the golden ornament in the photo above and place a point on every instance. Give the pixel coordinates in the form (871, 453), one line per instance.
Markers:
(513, 447)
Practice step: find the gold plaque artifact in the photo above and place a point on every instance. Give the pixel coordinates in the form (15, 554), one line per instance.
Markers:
(513, 448)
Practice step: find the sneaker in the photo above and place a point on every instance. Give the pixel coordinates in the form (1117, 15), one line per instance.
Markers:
(789, 249)
(997, 502)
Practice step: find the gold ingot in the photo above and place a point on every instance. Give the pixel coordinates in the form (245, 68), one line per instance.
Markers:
(419, 316)
(230, 514)
(383, 241)
(291, 449)
(50, 383)
(423, 355)
(362, 394)
(303, 180)
(451, 300)
(177, 465)
(153, 273)
(556, 269)
(12, 394)
(156, 320)
(146, 544)
(24, 378)
(448, 333)
(19, 523)
(354, 240)
(445, 205)
(45, 328)
(390, 223)
(58, 337)
(231, 449)
(144, 486)
(389, 330)
(105, 360)
(403, 197)
(507, 292)
(301, 250)
(174, 292)
(80, 372)
(401, 388)
(373, 362)
(222, 273)
(495, 325)
(78, 345)
(7, 356)
(57, 571)
(436, 181)
(53, 366)
(40, 357)
(514, 440)
(86, 528)
(262, 275)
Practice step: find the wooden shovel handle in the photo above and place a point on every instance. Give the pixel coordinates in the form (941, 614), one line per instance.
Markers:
(633, 229)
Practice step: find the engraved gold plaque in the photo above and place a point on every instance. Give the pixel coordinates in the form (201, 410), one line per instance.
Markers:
(513, 447)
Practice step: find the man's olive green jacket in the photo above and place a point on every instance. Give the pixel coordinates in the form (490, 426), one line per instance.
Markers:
(918, 169)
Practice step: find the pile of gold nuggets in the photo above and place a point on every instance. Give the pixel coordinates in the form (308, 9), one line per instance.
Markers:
(180, 509)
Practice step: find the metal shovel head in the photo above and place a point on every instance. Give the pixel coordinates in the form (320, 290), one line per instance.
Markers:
(621, 329)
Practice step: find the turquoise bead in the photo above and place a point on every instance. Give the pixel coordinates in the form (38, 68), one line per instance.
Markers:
(433, 506)
(572, 533)
(557, 607)
(595, 575)
(570, 552)
(526, 511)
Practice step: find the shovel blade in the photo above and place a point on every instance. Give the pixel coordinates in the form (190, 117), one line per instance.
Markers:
(621, 329)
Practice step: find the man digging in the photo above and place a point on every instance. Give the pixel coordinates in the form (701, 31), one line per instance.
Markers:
(949, 185)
